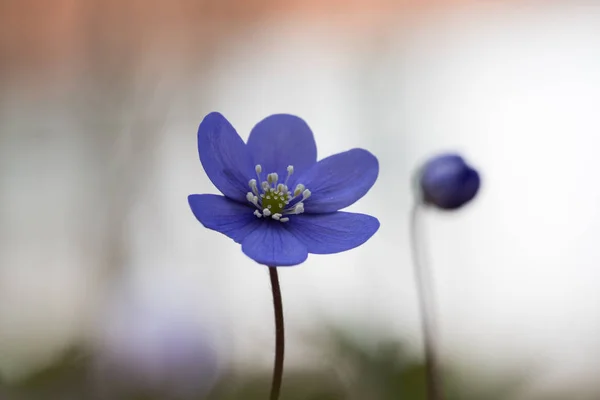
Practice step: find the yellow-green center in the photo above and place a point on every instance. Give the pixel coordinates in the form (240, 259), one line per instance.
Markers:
(275, 200)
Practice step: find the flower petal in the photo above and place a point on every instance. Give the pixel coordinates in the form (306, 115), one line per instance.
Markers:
(224, 156)
(333, 233)
(281, 140)
(272, 244)
(339, 180)
(220, 214)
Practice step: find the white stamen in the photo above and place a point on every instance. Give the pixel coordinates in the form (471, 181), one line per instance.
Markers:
(257, 213)
(290, 170)
(272, 178)
(258, 168)
(306, 194)
(276, 216)
(252, 185)
(266, 212)
(286, 219)
(252, 198)
(299, 189)
(299, 208)
(280, 188)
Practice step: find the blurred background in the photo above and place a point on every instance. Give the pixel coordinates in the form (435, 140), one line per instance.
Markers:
(109, 287)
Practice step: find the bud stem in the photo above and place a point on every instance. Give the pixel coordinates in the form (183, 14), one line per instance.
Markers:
(426, 296)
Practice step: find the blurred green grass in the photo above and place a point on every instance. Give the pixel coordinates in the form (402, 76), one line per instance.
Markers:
(354, 371)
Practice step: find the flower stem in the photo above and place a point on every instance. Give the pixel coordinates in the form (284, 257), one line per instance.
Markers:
(279, 334)
(427, 307)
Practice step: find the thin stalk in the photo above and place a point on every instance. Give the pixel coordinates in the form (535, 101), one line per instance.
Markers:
(426, 297)
(279, 334)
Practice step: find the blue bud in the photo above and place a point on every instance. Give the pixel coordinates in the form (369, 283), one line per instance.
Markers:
(448, 182)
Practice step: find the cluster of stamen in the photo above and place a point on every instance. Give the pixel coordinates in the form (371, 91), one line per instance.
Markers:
(275, 200)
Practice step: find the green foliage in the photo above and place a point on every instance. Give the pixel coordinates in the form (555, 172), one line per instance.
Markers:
(355, 370)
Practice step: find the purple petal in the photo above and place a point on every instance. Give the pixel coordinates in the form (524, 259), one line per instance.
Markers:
(281, 140)
(224, 156)
(333, 233)
(220, 214)
(339, 180)
(272, 244)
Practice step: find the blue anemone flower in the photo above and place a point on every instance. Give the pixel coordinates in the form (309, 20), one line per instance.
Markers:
(448, 182)
(279, 203)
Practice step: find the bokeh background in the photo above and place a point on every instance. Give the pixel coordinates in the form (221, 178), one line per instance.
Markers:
(100, 101)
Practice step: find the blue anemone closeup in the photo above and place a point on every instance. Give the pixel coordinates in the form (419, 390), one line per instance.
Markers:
(448, 182)
(278, 202)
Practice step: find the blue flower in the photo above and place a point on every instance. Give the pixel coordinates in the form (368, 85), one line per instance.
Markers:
(448, 182)
(279, 203)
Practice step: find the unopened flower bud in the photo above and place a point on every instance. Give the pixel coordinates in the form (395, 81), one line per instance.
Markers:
(448, 182)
